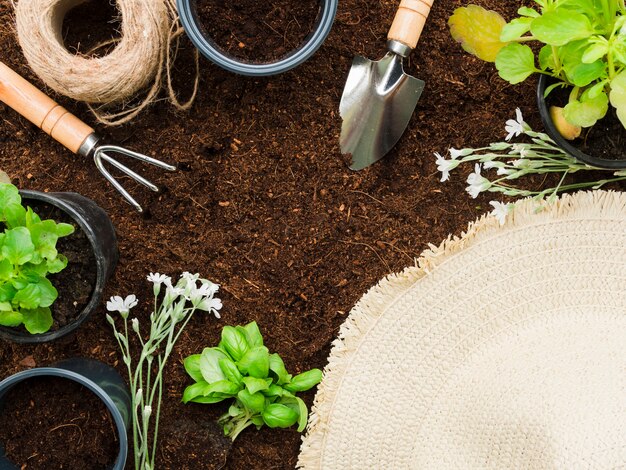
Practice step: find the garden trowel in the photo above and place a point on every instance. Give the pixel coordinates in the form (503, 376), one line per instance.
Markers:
(379, 98)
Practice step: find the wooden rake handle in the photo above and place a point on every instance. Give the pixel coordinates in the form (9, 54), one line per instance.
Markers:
(41, 110)
(409, 21)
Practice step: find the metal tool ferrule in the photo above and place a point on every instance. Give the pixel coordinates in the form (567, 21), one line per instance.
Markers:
(399, 48)
(88, 147)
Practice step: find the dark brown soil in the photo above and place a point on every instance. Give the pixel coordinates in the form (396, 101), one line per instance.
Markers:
(257, 31)
(264, 203)
(56, 423)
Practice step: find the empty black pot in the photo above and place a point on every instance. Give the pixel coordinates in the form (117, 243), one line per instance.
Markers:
(95, 223)
(99, 378)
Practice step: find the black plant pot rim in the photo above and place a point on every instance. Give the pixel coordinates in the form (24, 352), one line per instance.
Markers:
(101, 273)
(208, 47)
(118, 420)
(556, 136)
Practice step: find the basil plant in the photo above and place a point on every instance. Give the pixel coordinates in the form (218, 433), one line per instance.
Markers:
(583, 48)
(242, 369)
(27, 255)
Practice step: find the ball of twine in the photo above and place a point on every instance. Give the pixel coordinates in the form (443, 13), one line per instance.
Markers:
(140, 60)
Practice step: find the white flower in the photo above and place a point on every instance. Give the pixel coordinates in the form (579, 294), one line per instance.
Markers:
(444, 166)
(190, 277)
(135, 325)
(477, 183)
(117, 304)
(493, 164)
(505, 171)
(500, 211)
(138, 395)
(211, 305)
(454, 153)
(157, 278)
(515, 127)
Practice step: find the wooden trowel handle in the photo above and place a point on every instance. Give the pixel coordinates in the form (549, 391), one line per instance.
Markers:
(41, 110)
(409, 21)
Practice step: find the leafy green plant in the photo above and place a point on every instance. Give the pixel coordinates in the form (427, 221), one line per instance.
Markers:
(241, 368)
(27, 255)
(584, 47)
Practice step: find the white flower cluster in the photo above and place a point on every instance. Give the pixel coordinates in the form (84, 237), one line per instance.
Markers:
(170, 316)
(539, 155)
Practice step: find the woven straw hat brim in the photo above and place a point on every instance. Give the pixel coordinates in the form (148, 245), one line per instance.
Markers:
(503, 348)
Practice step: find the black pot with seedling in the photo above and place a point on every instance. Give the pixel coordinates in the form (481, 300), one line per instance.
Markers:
(57, 251)
(582, 65)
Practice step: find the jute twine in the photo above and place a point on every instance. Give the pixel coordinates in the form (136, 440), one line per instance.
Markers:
(500, 349)
(141, 60)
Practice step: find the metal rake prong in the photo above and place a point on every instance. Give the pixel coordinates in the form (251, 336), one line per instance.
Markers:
(98, 161)
(123, 168)
(137, 155)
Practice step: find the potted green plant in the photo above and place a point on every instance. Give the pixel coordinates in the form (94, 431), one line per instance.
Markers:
(582, 53)
(33, 269)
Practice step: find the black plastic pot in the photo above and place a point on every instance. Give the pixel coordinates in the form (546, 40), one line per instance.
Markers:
(95, 223)
(101, 379)
(208, 47)
(551, 130)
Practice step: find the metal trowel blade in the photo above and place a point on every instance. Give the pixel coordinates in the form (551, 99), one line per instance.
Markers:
(376, 106)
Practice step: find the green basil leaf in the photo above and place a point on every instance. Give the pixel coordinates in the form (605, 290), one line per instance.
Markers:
(559, 27)
(209, 365)
(277, 366)
(208, 400)
(194, 390)
(253, 334)
(515, 62)
(18, 246)
(279, 416)
(257, 421)
(304, 381)
(252, 401)
(11, 318)
(256, 362)
(38, 320)
(254, 385)
(192, 367)
(234, 342)
(229, 368)
(234, 410)
(222, 388)
(298, 405)
(31, 217)
(274, 391)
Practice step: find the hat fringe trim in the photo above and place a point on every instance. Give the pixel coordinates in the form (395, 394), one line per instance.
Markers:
(582, 205)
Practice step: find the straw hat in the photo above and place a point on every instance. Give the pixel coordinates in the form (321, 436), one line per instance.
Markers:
(504, 348)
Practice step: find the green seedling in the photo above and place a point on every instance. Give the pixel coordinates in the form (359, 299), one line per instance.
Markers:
(241, 368)
(584, 48)
(27, 255)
